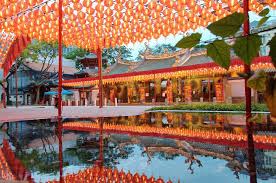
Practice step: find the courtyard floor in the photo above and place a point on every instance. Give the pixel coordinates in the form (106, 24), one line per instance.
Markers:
(43, 112)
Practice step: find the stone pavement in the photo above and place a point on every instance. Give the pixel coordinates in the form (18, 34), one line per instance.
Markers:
(21, 113)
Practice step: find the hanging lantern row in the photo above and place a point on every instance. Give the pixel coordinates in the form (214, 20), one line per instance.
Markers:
(96, 174)
(5, 171)
(177, 132)
(6, 40)
(184, 73)
(107, 23)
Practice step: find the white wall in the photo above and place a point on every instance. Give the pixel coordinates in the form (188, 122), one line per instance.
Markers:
(237, 88)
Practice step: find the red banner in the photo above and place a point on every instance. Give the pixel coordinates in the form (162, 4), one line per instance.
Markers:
(169, 93)
(219, 92)
(112, 96)
(129, 95)
(14, 51)
(143, 95)
(188, 92)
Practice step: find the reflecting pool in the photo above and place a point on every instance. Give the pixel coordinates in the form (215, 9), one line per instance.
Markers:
(152, 147)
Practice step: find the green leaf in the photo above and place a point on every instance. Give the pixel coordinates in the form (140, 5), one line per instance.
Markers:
(190, 41)
(247, 47)
(262, 21)
(257, 81)
(219, 51)
(257, 118)
(228, 26)
(272, 52)
(264, 12)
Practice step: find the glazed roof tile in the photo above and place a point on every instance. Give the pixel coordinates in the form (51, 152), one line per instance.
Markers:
(119, 69)
(198, 59)
(155, 64)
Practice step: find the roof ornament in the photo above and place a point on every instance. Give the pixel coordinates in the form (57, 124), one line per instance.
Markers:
(147, 50)
(165, 51)
(119, 58)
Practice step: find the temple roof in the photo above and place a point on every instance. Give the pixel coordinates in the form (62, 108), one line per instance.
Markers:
(53, 68)
(118, 69)
(155, 64)
(197, 59)
(183, 57)
(90, 60)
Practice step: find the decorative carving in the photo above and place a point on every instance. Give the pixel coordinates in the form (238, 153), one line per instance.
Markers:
(165, 51)
(147, 51)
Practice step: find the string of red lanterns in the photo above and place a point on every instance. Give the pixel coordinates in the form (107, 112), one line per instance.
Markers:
(182, 72)
(96, 174)
(175, 132)
(104, 23)
(5, 171)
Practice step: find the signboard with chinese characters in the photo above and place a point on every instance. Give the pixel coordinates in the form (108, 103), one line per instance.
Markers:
(112, 96)
(143, 95)
(170, 94)
(188, 92)
(219, 92)
(129, 95)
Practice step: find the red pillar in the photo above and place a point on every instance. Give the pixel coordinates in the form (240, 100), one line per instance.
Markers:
(16, 90)
(251, 154)
(101, 142)
(4, 93)
(60, 149)
(83, 99)
(154, 90)
(99, 55)
(59, 56)
(209, 91)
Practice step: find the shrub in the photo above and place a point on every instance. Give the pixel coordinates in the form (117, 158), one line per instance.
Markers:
(213, 107)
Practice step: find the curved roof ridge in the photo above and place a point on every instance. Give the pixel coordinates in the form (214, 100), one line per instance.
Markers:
(165, 55)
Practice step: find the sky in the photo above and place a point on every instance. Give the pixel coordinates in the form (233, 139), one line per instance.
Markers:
(171, 39)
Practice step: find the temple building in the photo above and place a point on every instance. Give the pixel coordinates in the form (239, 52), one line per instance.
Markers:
(184, 76)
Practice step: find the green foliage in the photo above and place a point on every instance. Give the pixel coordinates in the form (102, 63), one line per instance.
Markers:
(257, 118)
(213, 107)
(112, 53)
(262, 21)
(272, 52)
(228, 26)
(200, 46)
(77, 53)
(264, 12)
(37, 51)
(159, 49)
(190, 41)
(219, 51)
(248, 47)
(257, 81)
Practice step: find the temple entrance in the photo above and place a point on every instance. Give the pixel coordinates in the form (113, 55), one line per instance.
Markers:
(205, 90)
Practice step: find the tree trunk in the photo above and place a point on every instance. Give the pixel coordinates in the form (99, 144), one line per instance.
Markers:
(37, 95)
(8, 93)
(270, 96)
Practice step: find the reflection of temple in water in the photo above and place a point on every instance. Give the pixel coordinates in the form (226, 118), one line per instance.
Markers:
(82, 148)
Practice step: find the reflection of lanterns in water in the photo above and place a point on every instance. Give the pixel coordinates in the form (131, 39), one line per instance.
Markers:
(96, 174)
(179, 132)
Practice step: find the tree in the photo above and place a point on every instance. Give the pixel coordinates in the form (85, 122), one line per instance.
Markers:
(111, 53)
(245, 47)
(41, 52)
(159, 49)
(108, 54)
(73, 55)
(163, 48)
(7, 82)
